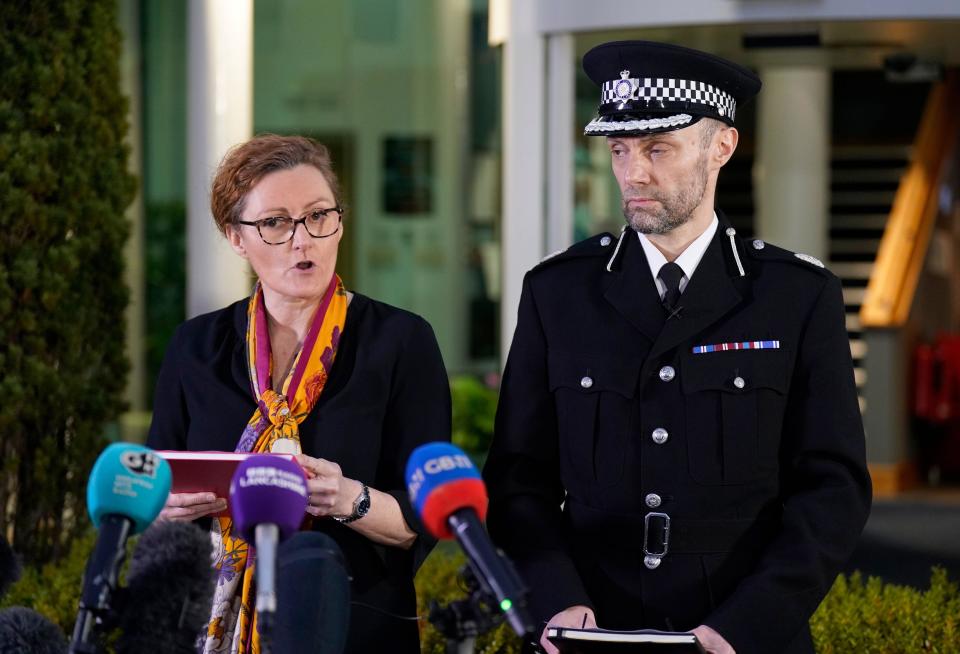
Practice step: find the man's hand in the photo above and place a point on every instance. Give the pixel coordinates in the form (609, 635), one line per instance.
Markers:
(578, 617)
(713, 642)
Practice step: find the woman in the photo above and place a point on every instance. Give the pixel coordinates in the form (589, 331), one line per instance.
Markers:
(349, 384)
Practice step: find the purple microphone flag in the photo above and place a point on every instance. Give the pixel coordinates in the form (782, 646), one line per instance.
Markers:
(268, 490)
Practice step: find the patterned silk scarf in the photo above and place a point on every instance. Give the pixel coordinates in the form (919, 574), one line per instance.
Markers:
(274, 427)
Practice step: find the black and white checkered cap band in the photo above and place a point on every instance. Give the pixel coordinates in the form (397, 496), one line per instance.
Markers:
(628, 89)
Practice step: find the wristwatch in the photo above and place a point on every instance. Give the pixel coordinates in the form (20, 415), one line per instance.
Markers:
(360, 506)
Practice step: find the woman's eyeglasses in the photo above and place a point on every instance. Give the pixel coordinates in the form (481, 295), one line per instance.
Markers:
(319, 223)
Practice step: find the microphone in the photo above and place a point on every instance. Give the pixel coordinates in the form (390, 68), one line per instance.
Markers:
(170, 585)
(269, 499)
(25, 630)
(313, 588)
(128, 487)
(449, 496)
(22, 629)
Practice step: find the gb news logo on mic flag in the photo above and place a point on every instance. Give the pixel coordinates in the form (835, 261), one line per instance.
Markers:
(440, 480)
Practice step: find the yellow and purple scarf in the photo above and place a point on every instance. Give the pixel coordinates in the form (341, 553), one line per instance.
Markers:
(274, 427)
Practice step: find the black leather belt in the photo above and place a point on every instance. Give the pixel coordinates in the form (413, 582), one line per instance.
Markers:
(658, 533)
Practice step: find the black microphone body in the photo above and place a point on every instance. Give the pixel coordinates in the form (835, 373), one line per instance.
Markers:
(100, 580)
(491, 568)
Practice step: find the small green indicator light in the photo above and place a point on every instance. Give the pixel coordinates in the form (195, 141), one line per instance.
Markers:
(506, 604)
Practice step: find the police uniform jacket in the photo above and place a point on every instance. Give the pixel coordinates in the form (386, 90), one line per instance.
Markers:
(607, 415)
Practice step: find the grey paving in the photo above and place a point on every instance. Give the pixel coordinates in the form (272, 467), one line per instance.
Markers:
(904, 538)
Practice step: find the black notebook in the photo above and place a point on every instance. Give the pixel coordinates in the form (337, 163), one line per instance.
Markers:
(644, 641)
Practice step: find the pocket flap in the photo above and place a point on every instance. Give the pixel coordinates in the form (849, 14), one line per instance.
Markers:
(592, 373)
(739, 371)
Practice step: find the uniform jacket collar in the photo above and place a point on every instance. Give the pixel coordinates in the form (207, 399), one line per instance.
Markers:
(715, 288)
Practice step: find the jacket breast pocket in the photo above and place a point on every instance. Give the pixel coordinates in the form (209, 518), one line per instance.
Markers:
(594, 399)
(734, 405)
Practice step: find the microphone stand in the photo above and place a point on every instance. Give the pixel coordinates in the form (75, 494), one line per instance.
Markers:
(461, 621)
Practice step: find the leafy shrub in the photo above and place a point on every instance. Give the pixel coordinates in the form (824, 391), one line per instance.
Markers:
(64, 186)
(871, 617)
(474, 409)
(54, 588)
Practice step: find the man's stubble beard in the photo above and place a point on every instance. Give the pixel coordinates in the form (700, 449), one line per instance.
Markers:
(674, 210)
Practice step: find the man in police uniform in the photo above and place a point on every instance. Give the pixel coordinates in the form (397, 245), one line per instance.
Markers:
(678, 444)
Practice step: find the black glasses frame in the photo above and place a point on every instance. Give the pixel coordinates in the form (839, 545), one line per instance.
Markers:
(296, 221)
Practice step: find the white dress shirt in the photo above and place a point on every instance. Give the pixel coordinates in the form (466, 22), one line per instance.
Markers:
(688, 260)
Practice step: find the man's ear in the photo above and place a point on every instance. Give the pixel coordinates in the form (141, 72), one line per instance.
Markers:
(724, 145)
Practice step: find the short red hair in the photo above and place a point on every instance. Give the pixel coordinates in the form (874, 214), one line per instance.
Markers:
(246, 164)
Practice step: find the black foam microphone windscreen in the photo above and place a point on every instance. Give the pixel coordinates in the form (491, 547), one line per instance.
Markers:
(169, 590)
(313, 596)
(9, 567)
(24, 631)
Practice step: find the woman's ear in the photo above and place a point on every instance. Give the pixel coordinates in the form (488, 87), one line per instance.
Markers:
(236, 240)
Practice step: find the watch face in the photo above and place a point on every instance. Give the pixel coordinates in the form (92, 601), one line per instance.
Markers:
(363, 504)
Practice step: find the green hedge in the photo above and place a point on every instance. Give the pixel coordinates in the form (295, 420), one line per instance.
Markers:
(859, 615)
(867, 616)
(474, 408)
(64, 186)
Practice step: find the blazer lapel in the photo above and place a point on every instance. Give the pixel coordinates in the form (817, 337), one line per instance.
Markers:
(709, 296)
(633, 292)
(238, 360)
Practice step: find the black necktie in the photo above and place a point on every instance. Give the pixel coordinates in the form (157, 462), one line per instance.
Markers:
(670, 275)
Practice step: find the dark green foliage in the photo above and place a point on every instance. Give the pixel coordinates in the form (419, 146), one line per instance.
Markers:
(54, 588)
(870, 617)
(474, 408)
(63, 189)
(166, 278)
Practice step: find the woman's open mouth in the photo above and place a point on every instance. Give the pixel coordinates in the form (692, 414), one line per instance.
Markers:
(304, 265)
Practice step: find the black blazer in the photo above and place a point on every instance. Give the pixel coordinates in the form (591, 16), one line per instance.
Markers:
(757, 456)
(387, 393)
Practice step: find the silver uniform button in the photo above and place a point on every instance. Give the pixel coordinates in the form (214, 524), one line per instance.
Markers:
(605, 241)
(653, 500)
(586, 382)
(739, 382)
(758, 244)
(660, 435)
(730, 231)
(667, 373)
(652, 562)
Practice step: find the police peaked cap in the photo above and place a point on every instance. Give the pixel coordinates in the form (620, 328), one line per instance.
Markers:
(649, 87)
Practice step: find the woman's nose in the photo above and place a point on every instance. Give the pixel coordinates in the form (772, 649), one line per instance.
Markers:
(300, 235)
